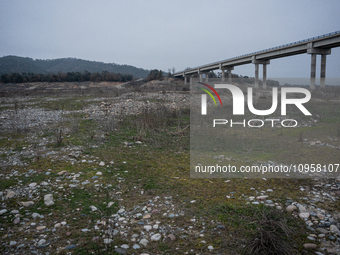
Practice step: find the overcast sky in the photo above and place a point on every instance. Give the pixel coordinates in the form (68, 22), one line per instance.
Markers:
(154, 34)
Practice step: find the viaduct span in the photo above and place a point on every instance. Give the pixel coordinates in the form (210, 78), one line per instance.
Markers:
(319, 45)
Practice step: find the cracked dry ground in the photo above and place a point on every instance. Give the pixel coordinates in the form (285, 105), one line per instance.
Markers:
(110, 175)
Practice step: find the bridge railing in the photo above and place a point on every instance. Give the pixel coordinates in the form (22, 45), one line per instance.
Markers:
(273, 48)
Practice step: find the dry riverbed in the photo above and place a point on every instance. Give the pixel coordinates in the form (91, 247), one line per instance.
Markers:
(107, 171)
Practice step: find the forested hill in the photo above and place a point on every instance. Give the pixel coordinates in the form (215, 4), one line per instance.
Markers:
(14, 64)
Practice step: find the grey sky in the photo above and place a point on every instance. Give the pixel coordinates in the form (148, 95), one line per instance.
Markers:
(164, 34)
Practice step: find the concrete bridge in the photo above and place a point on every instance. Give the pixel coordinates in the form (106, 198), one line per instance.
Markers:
(319, 45)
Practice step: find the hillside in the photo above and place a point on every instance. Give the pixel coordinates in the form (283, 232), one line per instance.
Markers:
(14, 64)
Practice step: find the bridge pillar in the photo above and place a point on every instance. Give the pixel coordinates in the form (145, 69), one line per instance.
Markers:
(229, 73)
(201, 77)
(256, 76)
(312, 71)
(191, 80)
(264, 84)
(207, 77)
(323, 71)
(229, 69)
(264, 63)
(323, 52)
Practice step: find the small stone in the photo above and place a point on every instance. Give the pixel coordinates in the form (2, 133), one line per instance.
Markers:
(135, 246)
(291, 208)
(304, 215)
(221, 227)
(125, 246)
(41, 228)
(102, 163)
(144, 242)
(93, 208)
(302, 209)
(72, 246)
(26, 204)
(120, 251)
(62, 172)
(3, 211)
(107, 241)
(57, 225)
(110, 204)
(311, 238)
(12, 243)
(16, 220)
(155, 211)
(147, 227)
(21, 246)
(41, 242)
(310, 246)
(147, 216)
(322, 230)
(120, 211)
(156, 237)
(68, 233)
(261, 198)
(35, 215)
(10, 194)
(171, 237)
(333, 229)
(99, 173)
(32, 185)
(210, 247)
(48, 199)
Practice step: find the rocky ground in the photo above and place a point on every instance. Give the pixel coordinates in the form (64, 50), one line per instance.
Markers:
(100, 191)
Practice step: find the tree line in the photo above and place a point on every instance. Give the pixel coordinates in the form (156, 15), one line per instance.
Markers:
(65, 77)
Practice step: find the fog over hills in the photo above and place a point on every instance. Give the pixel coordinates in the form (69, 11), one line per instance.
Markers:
(15, 64)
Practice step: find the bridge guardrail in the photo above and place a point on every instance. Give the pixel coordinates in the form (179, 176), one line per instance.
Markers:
(273, 48)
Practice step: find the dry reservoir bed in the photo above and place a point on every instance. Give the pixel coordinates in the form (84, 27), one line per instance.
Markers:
(105, 170)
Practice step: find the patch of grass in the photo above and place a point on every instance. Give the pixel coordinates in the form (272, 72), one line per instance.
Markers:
(7, 183)
(265, 230)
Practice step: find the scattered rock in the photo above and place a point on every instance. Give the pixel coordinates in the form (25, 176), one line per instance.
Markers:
(107, 241)
(72, 246)
(334, 229)
(93, 208)
(10, 194)
(144, 242)
(40, 228)
(171, 237)
(261, 198)
(310, 246)
(110, 204)
(156, 237)
(291, 208)
(26, 204)
(147, 216)
(120, 251)
(304, 215)
(48, 199)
